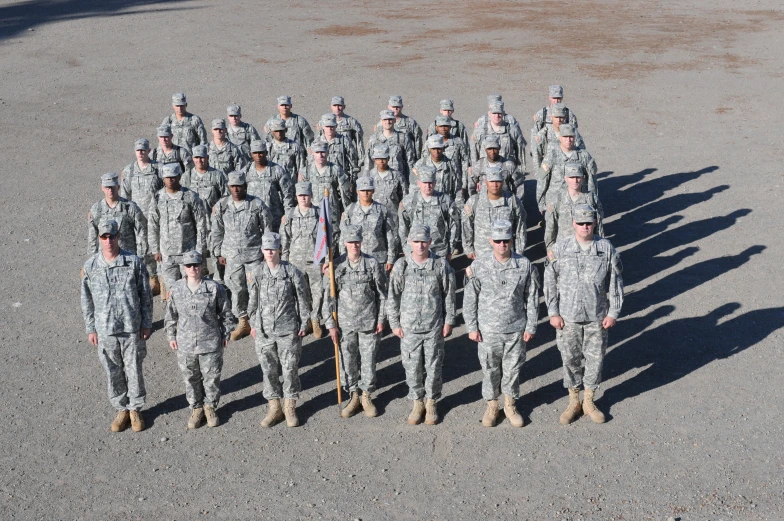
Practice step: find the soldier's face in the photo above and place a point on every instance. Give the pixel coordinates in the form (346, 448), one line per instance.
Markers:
(272, 256)
(573, 183)
(447, 113)
(496, 118)
(382, 163)
(495, 187)
(502, 247)
(180, 109)
(201, 162)
(419, 248)
(443, 130)
(330, 132)
(583, 231)
(235, 120)
(567, 142)
(553, 101)
(111, 192)
(365, 197)
(436, 154)
(110, 244)
(284, 110)
(492, 153)
(320, 158)
(260, 158)
(193, 271)
(238, 192)
(338, 110)
(426, 188)
(143, 155)
(353, 249)
(165, 141)
(172, 183)
(387, 124)
(304, 200)
(219, 134)
(557, 120)
(397, 111)
(279, 135)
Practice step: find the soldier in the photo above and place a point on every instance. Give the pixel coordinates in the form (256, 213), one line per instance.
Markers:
(405, 124)
(488, 206)
(550, 177)
(270, 182)
(238, 223)
(131, 221)
(167, 152)
(583, 290)
(284, 151)
(240, 133)
(434, 209)
(449, 180)
(513, 177)
(340, 149)
(298, 127)
(140, 182)
(501, 310)
(279, 306)
(378, 226)
(543, 117)
(322, 175)
(361, 289)
(348, 126)
(491, 99)
(401, 149)
(299, 228)
(560, 213)
(188, 128)
(421, 312)
(117, 310)
(456, 128)
(455, 149)
(223, 154)
(390, 185)
(176, 224)
(198, 321)
(547, 137)
(509, 136)
(208, 182)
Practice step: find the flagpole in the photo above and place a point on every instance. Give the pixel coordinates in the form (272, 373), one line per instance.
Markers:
(333, 294)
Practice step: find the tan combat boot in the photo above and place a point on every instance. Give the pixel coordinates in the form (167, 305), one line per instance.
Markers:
(137, 422)
(155, 285)
(318, 331)
(367, 405)
(352, 407)
(242, 330)
(574, 409)
(197, 416)
(514, 417)
(590, 409)
(417, 413)
(164, 294)
(120, 422)
(491, 414)
(212, 416)
(289, 409)
(431, 416)
(274, 414)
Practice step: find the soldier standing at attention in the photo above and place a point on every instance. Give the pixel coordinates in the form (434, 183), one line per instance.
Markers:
(198, 321)
(583, 290)
(378, 226)
(131, 221)
(401, 148)
(188, 128)
(349, 126)
(282, 150)
(421, 312)
(298, 127)
(167, 152)
(544, 116)
(550, 177)
(501, 310)
(117, 309)
(560, 213)
(240, 133)
(456, 128)
(406, 125)
(340, 148)
(223, 154)
(270, 182)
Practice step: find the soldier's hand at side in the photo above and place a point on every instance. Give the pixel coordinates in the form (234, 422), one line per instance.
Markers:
(447, 330)
(144, 333)
(449, 256)
(226, 343)
(302, 333)
(173, 344)
(527, 337)
(158, 257)
(398, 332)
(253, 332)
(608, 322)
(557, 322)
(222, 261)
(93, 338)
(388, 266)
(333, 334)
(471, 256)
(380, 328)
(324, 268)
(476, 336)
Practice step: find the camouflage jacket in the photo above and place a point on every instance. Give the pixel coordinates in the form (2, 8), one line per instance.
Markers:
(278, 303)
(211, 185)
(349, 127)
(177, 154)
(334, 180)
(550, 177)
(543, 117)
(298, 236)
(439, 213)
(547, 139)
(187, 132)
(514, 178)
(479, 214)
(559, 216)
(448, 178)
(511, 140)
(390, 189)
(287, 154)
(132, 222)
(457, 129)
(410, 128)
(140, 186)
(273, 185)
(227, 158)
(200, 322)
(378, 230)
(297, 129)
(242, 136)
(178, 224)
(401, 151)
(361, 294)
(421, 298)
(237, 231)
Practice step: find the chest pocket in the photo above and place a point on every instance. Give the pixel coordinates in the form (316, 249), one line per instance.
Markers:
(198, 304)
(119, 278)
(500, 212)
(175, 209)
(593, 268)
(508, 283)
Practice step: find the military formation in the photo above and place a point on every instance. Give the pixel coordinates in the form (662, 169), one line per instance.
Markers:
(223, 229)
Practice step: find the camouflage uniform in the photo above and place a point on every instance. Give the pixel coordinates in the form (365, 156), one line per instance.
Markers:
(242, 135)
(274, 186)
(480, 212)
(378, 230)
(449, 181)
(583, 287)
(200, 322)
(559, 216)
(177, 154)
(342, 152)
(297, 129)
(401, 152)
(501, 301)
(361, 295)
(210, 185)
(349, 127)
(543, 116)
(509, 137)
(286, 153)
(279, 309)
(298, 241)
(334, 179)
(547, 139)
(514, 178)
(131, 220)
(456, 130)
(140, 186)
(187, 132)
(438, 213)
(390, 188)
(550, 178)
(406, 125)
(117, 304)
(227, 158)
(421, 300)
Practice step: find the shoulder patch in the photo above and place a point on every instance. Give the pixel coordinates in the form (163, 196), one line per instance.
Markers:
(469, 272)
(549, 207)
(550, 255)
(249, 277)
(545, 167)
(283, 220)
(89, 216)
(467, 209)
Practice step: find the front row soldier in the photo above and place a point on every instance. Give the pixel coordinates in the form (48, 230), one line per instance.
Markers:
(378, 225)
(501, 309)
(421, 312)
(117, 310)
(279, 309)
(361, 288)
(131, 221)
(560, 212)
(583, 290)
(198, 321)
(434, 209)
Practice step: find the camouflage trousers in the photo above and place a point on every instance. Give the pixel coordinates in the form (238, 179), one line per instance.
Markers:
(358, 351)
(152, 265)
(501, 356)
(171, 270)
(582, 346)
(122, 356)
(279, 356)
(313, 278)
(423, 358)
(201, 374)
(236, 281)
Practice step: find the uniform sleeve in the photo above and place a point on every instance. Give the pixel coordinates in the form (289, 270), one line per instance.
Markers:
(200, 130)
(286, 187)
(303, 174)
(125, 185)
(218, 229)
(88, 306)
(519, 143)
(615, 293)
(458, 184)
(531, 297)
(344, 187)
(265, 215)
(140, 227)
(599, 217)
(223, 184)
(591, 170)
(543, 181)
(201, 223)
(253, 296)
(92, 234)
(380, 281)
(302, 298)
(403, 225)
(411, 154)
(223, 304)
(468, 225)
(171, 317)
(417, 131)
(345, 220)
(145, 294)
(476, 142)
(153, 227)
(353, 157)
(518, 182)
(551, 225)
(329, 304)
(254, 134)
(449, 294)
(551, 297)
(452, 216)
(537, 146)
(395, 292)
(285, 238)
(521, 234)
(368, 161)
(389, 226)
(187, 158)
(471, 298)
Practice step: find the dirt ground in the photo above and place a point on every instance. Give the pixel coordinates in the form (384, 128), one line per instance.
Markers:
(677, 101)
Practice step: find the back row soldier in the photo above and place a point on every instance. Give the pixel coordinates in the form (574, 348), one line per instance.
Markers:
(455, 149)
(544, 115)
(347, 126)
(298, 127)
(341, 150)
(509, 136)
(188, 129)
(405, 124)
(456, 128)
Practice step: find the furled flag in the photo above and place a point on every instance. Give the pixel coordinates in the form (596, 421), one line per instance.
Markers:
(324, 235)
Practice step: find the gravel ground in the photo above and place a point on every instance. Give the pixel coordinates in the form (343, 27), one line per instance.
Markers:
(675, 100)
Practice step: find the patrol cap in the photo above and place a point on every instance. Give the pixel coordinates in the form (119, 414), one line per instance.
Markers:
(497, 107)
(258, 146)
(494, 173)
(443, 121)
(352, 233)
(191, 257)
(236, 178)
(270, 241)
(365, 183)
(179, 99)
(338, 100)
(492, 141)
(436, 141)
(171, 170)
(584, 213)
(573, 169)
(329, 120)
(109, 226)
(447, 104)
(556, 91)
(566, 130)
(109, 179)
(218, 123)
(558, 110)
(164, 130)
(395, 101)
(142, 144)
(276, 124)
(200, 151)
(501, 230)
(419, 233)
(387, 114)
(494, 98)
(304, 188)
(319, 146)
(284, 100)
(426, 173)
(234, 110)
(380, 151)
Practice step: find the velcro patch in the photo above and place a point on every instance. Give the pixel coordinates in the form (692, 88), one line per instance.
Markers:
(545, 167)
(467, 210)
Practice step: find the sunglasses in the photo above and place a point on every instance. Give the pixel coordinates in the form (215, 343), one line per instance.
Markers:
(193, 266)
(505, 241)
(109, 237)
(585, 224)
